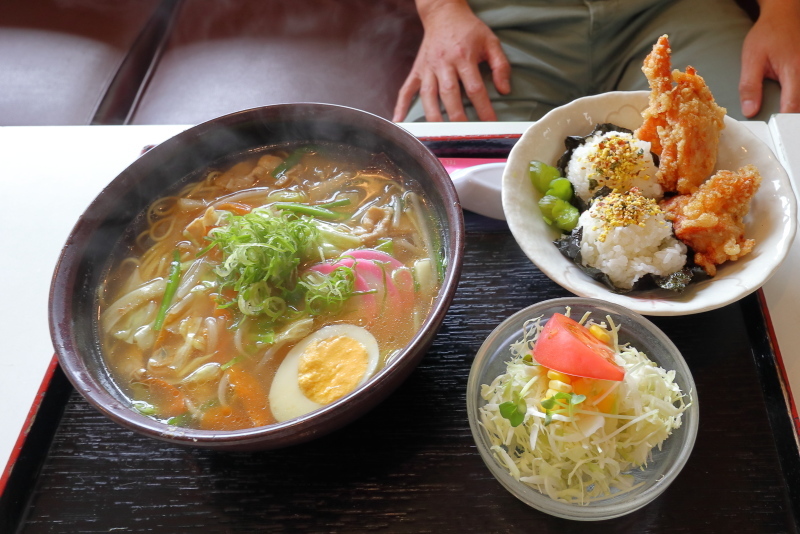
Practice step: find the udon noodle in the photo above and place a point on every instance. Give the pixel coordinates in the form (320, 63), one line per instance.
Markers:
(269, 288)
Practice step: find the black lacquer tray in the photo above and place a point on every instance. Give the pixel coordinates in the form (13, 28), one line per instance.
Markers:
(411, 465)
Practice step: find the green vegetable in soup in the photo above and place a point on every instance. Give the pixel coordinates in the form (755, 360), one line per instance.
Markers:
(385, 245)
(173, 279)
(262, 251)
(328, 293)
(292, 160)
(321, 211)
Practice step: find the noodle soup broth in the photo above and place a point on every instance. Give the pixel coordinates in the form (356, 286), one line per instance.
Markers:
(270, 287)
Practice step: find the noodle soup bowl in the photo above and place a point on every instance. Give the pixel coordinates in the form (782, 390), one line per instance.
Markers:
(663, 466)
(110, 224)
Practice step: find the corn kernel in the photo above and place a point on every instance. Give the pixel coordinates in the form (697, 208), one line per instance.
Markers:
(600, 333)
(549, 393)
(558, 385)
(555, 375)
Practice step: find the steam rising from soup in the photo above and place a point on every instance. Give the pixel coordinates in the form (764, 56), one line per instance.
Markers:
(255, 262)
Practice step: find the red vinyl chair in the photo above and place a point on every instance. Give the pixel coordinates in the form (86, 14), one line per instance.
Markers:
(59, 59)
(222, 57)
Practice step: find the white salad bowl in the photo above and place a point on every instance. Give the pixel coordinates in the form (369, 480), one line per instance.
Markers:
(771, 222)
(665, 463)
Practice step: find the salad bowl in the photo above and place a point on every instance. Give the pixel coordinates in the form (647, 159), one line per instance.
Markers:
(665, 462)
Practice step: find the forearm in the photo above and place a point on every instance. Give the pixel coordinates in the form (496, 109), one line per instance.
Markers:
(762, 3)
(429, 8)
(776, 7)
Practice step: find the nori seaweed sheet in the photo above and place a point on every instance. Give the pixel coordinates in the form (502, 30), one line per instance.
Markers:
(574, 141)
(570, 246)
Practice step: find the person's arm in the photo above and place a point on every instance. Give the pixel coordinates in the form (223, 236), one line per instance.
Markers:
(772, 50)
(455, 43)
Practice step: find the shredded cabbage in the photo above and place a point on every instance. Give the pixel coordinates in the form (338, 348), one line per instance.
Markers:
(589, 456)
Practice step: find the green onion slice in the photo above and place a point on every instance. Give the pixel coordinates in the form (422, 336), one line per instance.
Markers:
(169, 292)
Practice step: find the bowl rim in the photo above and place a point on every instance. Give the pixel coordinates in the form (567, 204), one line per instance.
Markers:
(568, 276)
(301, 429)
(596, 511)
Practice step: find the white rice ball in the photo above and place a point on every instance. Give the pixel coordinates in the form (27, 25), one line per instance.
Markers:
(626, 252)
(614, 159)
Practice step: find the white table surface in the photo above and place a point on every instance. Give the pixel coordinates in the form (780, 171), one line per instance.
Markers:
(50, 175)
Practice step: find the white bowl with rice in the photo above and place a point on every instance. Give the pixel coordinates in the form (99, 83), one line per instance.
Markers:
(771, 221)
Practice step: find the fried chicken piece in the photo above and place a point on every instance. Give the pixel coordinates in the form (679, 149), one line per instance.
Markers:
(682, 122)
(656, 69)
(710, 220)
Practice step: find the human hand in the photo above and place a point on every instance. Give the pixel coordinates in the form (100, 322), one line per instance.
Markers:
(455, 43)
(770, 50)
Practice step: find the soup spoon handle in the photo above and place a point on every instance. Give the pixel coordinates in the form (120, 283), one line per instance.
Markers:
(479, 188)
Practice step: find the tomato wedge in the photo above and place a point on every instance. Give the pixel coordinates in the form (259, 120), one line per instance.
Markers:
(566, 346)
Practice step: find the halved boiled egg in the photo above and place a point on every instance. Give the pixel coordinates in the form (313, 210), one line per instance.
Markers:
(321, 368)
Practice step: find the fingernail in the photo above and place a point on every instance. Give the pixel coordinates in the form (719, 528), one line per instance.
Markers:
(749, 108)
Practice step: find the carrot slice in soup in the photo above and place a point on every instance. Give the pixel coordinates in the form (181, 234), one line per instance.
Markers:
(235, 207)
(224, 418)
(249, 393)
(167, 399)
(566, 346)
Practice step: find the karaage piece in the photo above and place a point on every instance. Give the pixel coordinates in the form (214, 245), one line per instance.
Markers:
(657, 67)
(682, 122)
(711, 220)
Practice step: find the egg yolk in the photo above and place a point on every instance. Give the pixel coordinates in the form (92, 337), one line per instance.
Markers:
(331, 368)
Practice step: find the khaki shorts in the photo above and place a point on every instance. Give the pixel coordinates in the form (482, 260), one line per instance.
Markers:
(561, 50)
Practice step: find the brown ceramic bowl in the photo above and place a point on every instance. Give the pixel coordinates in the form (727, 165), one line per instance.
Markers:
(83, 261)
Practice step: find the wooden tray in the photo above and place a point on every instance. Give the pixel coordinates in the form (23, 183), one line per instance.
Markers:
(411, 465)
